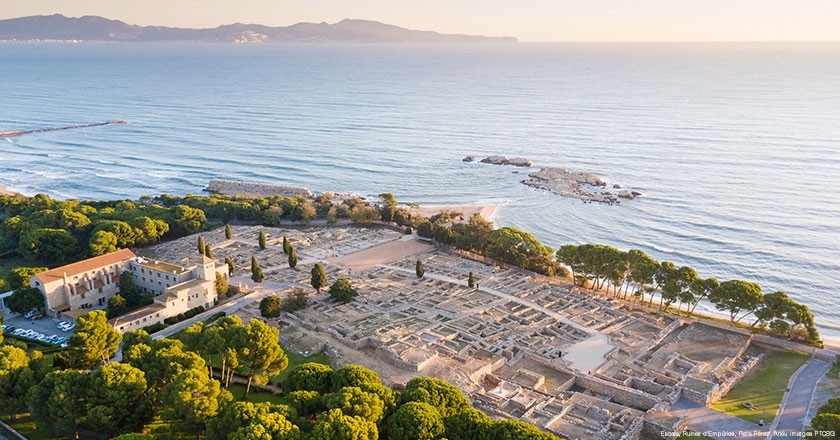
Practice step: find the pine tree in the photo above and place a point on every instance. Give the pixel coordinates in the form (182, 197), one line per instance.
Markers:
(471, 280)
(208, 252)
(262, 239)
(319, 277)
(256, 270)
(228, 232)
(202, 248)
(419, 269)
(292, 257)
(286, 245)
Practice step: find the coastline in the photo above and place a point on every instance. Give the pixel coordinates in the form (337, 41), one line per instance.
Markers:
(489, 212)
(6, 192)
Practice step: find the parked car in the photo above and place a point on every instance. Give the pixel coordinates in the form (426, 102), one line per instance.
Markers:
(36, 317)
(30, 314)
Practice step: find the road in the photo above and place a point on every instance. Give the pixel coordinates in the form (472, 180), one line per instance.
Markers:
(702, 419)
(793, 412)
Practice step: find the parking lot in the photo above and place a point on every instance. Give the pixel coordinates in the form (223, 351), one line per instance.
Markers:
(46, 325)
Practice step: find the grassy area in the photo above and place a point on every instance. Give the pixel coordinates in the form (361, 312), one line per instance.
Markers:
(255, 396)
(27, 427)
(295, 360)
(764, 388)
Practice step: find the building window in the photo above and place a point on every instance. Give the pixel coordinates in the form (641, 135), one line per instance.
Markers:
(167, 278)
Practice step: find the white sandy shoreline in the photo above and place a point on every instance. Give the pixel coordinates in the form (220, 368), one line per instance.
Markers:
(489, 212)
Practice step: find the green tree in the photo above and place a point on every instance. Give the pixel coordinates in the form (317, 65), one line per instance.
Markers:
(228, 232)
(16, 377)
(827, 422)
(286, 245)
(193, 399)
(129, 290)
(256, 271)
(701, 288)
(446, 398)
(58, 403)
(116, 397)
(271, 306)
(116, 306)
(95, 341)
(125, 234)
(262, 240)
(415, 421)
(208, 251)
(293, 259)
(388, 207)
(295, 301)
(343, 291)
(354, 376)
(521, 249)
(25, 299)
(518, 430)
(48, 245)
(319, 277)
(736, 296)
(202, 246)
(221, 284)
(352, 401)
(269, 426)
(20, 276)
(310, 376)
(187, 220)
(335, 425)
(471, 423)
(261, 353)
(230, 265)
(233, 417)
(471, 280)
(419, 270)
(102, 242)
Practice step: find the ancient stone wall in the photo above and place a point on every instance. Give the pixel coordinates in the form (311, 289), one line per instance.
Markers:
(619, 394)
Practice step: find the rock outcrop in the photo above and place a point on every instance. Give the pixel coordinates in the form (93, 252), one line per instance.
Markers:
(502, 160)
(576, 184)
(468, 159)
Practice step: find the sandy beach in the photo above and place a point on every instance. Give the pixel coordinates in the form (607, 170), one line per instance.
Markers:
(486, 211)
(4, 191)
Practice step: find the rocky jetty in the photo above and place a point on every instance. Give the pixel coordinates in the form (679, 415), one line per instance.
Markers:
(502, 160)
(44, 130)
(255, 189)
(576, 184)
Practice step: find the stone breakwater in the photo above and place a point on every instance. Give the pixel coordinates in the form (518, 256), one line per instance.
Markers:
(44, 130)
(255, 189)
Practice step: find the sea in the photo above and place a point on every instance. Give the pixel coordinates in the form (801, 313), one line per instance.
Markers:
(735, 147)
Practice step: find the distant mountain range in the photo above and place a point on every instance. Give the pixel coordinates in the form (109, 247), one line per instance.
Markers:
(92, 28)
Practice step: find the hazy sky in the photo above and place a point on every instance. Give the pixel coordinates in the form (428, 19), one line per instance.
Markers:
(530, 20)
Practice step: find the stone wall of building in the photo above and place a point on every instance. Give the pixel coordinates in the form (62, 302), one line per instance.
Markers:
(618, 393)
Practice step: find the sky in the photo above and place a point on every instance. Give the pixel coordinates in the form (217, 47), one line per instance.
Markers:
(529, 20)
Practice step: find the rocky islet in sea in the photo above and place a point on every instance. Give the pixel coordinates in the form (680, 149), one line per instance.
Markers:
(561, 181)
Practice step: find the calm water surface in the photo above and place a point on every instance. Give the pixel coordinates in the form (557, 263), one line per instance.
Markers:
(735, 147)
